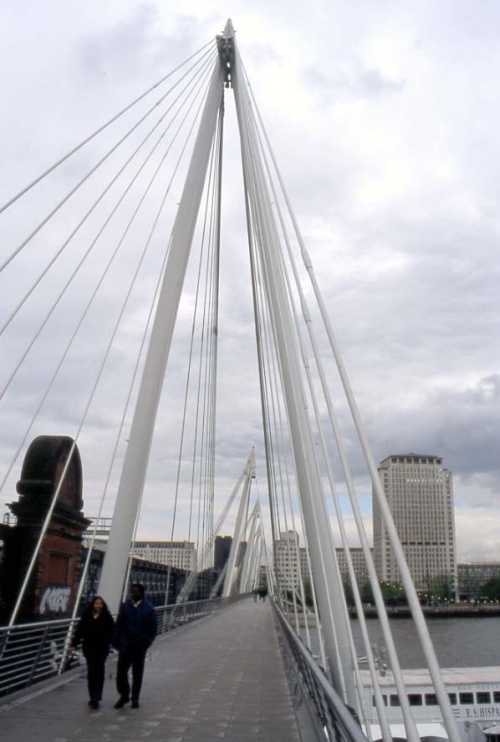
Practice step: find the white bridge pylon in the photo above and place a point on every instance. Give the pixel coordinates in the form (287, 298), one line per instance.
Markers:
(298, 432)
(265, 249)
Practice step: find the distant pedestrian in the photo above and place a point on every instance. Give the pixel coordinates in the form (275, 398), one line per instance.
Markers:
(255, 594)
(135, 632)
(94, 632)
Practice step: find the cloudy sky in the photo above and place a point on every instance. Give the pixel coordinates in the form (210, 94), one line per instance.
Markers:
(384, 120)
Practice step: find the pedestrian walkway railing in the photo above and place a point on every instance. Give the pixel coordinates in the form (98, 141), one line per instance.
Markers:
(335, 720)
(30, 653)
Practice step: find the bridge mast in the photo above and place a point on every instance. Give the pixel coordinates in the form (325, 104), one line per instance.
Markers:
(316, 517)
(136, 458)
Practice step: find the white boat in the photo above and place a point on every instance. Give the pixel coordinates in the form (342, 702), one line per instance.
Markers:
(474, 694)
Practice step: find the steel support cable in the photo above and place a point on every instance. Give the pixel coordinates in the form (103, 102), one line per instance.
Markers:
(383, 719)
(99, 130)
(214, 326)
(409, 588)
(208, 419)
(197, 76)
(118, 437)
(322, 652)
(408, 584)
(281, 447)
(276, 414)
(99, 233)
(309, 471)
(183, 428)
(378, 696)
(422, 630)
(181, 446)
(215, 330)
(206, 325)
(198, 386)
(386, 629)
(267, 353)
(294, 528)
(253, 238)
(73, 190)
(263, 375)
(359, 608)
(267, 443)
(70, 455)
(84, 314)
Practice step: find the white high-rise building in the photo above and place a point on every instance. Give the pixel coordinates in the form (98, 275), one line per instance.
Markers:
(419, 491)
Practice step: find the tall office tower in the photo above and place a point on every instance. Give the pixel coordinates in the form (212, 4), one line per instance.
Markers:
(222, 551)
(419, 491)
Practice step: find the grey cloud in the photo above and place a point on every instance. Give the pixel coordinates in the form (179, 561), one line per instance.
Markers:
(352, 80)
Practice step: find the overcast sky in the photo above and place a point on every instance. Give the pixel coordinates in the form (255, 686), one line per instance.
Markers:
(384, 118)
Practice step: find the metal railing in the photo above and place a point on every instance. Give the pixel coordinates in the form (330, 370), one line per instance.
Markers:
(30, 653)
(337, 722)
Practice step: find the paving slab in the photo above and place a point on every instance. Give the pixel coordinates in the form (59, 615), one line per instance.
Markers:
(219, 678)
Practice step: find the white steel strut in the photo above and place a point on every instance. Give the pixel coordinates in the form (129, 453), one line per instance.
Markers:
(136, 458)
(316, 517)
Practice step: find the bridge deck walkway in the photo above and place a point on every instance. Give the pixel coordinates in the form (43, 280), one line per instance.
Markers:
(219, 678)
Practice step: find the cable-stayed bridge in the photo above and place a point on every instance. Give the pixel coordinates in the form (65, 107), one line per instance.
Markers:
(112, 282)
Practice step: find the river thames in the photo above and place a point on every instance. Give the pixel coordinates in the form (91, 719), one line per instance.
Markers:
(458, 642)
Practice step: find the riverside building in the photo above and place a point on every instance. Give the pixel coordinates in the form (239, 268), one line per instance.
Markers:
(181, 554)
(419, 491)
(292, 561)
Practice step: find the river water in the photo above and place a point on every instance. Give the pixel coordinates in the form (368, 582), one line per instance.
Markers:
(458, 642)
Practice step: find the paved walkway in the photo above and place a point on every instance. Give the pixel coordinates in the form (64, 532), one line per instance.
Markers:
(219, 678)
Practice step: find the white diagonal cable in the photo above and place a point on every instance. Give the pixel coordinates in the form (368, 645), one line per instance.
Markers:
(98, 131)
(61, 203)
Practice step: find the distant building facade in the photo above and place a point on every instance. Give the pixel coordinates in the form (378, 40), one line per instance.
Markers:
(180, 554)
(358, 563)
(419, 492)
(472, 577)
(222, 549)
(292, 561)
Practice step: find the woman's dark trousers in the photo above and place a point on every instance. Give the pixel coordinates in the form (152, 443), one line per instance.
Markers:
(134, 659)
(95, 676)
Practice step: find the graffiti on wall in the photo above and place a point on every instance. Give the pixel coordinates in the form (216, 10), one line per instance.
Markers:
(55, 600)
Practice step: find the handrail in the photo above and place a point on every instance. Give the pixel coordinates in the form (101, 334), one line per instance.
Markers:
(36, 651)
(337, 720)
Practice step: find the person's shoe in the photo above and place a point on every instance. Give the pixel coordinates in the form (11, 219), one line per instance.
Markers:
(94, 704)
(121, 703)
(135, 704)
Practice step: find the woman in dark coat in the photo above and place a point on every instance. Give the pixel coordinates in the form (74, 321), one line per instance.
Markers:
(95, 631)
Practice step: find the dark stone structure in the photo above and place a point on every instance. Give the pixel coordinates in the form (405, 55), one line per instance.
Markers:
(52, 588)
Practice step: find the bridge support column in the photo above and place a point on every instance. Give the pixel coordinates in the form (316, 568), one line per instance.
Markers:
(316, 516)
(136, 459)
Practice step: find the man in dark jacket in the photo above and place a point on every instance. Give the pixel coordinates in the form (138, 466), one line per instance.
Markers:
(134, 633)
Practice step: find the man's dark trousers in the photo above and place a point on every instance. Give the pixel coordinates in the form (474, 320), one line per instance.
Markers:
(135, 659)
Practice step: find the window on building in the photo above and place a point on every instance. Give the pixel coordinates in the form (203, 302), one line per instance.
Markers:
(483, 697)
(466, 698)
(415, 699)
